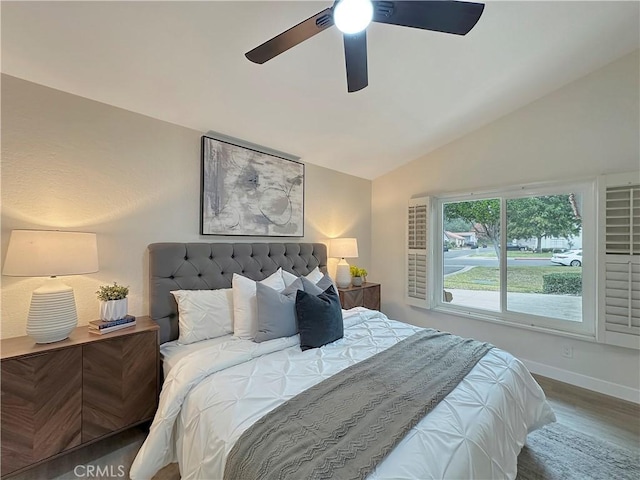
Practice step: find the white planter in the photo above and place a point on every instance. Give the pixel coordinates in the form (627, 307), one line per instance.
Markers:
(356, 281)
(113, 309)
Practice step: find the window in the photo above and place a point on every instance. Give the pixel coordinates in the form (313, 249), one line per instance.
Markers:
(517, 256)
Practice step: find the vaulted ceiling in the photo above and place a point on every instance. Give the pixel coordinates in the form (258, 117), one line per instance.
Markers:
(183, 62)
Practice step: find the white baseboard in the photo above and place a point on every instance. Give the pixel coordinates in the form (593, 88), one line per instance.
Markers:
(601, 386)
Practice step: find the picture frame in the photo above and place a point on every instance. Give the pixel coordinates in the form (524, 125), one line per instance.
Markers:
(249, 190)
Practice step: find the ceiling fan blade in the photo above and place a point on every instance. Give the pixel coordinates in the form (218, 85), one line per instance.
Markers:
(292, 37)
(355, 57)
(440, 15)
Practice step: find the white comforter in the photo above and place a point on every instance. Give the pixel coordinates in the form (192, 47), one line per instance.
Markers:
(213, 395)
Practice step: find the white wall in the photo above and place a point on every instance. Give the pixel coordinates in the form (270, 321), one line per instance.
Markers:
(587, 128)
(75, 164)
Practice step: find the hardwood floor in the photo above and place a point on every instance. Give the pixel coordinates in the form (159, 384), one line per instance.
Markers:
(592, 413)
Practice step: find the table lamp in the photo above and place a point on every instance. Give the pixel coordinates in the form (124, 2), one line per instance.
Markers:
(343, 248)
(39, 253)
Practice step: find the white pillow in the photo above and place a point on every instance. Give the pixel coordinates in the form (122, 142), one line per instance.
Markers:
(245, 310)
(204, 314)
(313, 276)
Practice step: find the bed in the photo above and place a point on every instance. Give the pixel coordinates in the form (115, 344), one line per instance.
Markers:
(216, 389)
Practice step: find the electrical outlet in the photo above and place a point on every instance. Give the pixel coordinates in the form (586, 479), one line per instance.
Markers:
(567, 351)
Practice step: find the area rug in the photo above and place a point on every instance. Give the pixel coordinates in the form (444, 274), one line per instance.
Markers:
(559, 452)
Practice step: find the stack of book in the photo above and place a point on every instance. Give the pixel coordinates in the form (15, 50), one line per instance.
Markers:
(100, 327)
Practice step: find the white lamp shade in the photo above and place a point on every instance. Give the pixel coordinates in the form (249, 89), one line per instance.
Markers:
(343, 248)
(46, 253)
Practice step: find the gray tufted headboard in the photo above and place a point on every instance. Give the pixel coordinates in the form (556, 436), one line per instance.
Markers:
(209, 266)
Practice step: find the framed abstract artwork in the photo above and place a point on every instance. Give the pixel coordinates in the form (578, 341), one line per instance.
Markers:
(250, 190)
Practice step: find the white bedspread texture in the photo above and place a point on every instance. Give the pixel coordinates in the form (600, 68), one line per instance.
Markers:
(212, 395)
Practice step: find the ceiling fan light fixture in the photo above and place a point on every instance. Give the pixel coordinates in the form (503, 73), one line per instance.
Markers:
(353, 16)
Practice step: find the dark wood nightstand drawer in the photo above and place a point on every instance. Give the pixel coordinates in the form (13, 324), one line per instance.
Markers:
(368, 296)
(41, 400)
(119, 384)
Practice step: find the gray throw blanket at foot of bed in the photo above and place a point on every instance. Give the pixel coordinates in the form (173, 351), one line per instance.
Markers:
(344, 426)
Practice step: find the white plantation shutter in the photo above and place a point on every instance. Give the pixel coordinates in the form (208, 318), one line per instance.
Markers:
(621, 289)
(417, 251)
(622, 295)
(622, 228)
(417, 277)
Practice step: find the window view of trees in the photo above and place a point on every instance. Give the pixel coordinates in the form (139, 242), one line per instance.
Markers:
(543, 277)
(553, 216)
(482, 215)
(453, 224)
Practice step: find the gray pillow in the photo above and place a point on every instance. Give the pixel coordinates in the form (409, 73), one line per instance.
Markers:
(326, 282)
(310, 287)
(276, 311)
(317, 288)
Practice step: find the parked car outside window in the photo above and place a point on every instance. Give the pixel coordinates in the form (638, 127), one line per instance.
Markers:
(571, 258)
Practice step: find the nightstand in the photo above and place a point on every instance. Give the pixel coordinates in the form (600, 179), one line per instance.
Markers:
(61, 396)
(368, 296)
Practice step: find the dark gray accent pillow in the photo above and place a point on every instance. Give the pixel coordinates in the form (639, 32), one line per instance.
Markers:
(276, 311)
(319, 318)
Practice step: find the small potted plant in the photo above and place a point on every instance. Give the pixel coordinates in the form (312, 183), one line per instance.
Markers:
(358, 275)
(113, 301)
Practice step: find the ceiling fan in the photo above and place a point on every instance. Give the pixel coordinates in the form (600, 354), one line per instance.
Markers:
(352, 18)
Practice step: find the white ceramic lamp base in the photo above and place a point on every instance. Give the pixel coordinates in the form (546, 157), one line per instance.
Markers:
(343, 274)
(52, 314)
